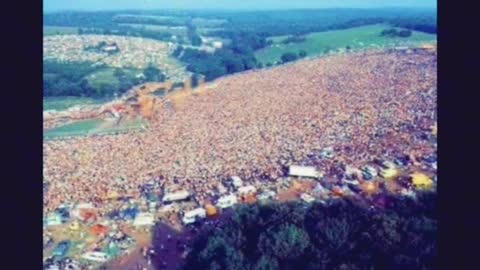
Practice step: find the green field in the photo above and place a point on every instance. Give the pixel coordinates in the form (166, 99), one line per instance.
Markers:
(320, 42)
(63, 103)
(59, 30)
(106, 76)
(92, 127)
(79, 128)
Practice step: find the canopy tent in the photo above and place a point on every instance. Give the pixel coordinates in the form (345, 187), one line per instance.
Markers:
(421, 181)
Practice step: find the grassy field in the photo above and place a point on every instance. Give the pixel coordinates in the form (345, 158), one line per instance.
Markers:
(79, 128)
(59, 30)
(93, 126)
(106, 76)
(319, 43)
(63, 103)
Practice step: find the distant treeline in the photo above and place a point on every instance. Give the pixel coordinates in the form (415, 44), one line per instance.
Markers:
(265, 23)
(127, 31)
(146, 20)
(400, 233)
(396, 33)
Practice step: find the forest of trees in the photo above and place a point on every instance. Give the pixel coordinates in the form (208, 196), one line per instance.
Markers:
(396, 33)
(400, 233)
(235, 57)
(69, 79)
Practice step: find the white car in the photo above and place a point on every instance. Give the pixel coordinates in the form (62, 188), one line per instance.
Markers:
(192, 216)
(227, 201)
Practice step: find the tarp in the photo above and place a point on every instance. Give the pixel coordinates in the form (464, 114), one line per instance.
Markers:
(112, 195)
(389, 173)
(211, 210)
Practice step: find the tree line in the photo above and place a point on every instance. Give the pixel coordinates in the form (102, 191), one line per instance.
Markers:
(70, 79)
(236, 57)
(400, 233)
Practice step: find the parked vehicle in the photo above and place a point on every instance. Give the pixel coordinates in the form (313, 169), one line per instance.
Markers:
(227, 201)
(194, 215)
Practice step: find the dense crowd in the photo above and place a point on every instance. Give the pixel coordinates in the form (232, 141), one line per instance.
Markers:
(363, 106)
(134, 52)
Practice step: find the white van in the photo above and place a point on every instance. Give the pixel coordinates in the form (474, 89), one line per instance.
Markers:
(96, 256)
(194, 215)
(227, 201)
(143, 219)
(176, 196)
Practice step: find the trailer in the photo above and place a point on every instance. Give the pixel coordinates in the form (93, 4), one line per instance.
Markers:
(304, 171)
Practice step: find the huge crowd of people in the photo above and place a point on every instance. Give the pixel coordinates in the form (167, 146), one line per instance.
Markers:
(363, 106)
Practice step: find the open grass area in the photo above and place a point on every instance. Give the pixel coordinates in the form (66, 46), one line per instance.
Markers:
(320, 42)
(94, 126)
(63, 103)
(106, 76)
(80, 128)
(59, 30)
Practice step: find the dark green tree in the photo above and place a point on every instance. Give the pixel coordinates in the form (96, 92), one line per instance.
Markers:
(288, 57)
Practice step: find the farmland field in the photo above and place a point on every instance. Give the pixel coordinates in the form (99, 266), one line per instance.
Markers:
(320, 42)
(59, 30)
(63, 103)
